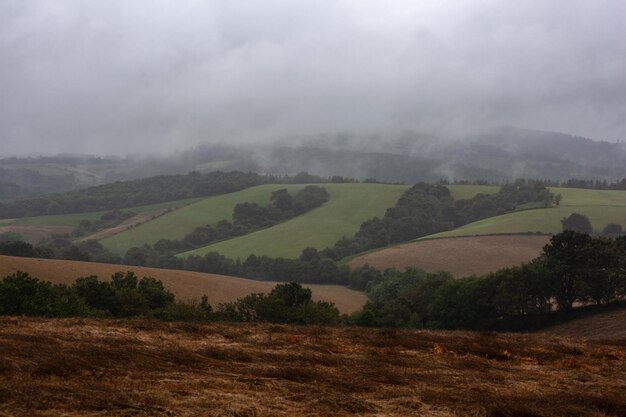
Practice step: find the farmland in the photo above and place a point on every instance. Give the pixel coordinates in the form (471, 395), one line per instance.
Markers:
(32, 229)
(461, 256)
(177, 224)
(601, 206)
(134, 367)
(184, 284)
(348, 207)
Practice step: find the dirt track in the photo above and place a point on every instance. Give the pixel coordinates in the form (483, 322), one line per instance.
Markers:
(184, 284)
(461, 256)
(126, 224)
(86, 367)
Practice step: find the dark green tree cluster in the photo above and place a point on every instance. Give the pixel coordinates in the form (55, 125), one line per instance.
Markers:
(286, 303)
(109, 219)
(428, 208)
(248, 217)
(11, 247)
(123, 296)
(133, 193)
(574, 267)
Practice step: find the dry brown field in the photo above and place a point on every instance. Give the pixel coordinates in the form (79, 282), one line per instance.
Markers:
(608, 325)
(89, 367)
(184, 284)
(461, 256)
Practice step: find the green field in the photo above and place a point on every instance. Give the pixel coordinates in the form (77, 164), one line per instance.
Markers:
(177, 224)
(75, 219)
(600, 206)
(348, 207)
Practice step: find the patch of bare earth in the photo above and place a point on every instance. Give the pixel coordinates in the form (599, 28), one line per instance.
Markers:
(87, 367)
(34, 233)
(461, 256)
(126, 224)
(184, 284)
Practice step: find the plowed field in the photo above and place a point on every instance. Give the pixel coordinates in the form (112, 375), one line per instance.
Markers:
(462, 256)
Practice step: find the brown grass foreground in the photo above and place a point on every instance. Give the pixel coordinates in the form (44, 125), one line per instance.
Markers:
(90, 367)
(184, 284)
(461, 256)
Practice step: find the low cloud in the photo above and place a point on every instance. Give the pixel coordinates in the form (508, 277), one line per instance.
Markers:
(144, 76)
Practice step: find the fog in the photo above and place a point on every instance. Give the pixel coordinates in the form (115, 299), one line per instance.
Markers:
(155, 76)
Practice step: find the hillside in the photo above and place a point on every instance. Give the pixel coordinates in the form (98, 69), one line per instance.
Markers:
(348, 207)
(34, 228)
(149, 368)
(463, 256)
(601, 206)
(177, 224)
(184, 284)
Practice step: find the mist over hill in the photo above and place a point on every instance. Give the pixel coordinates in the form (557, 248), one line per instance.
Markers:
(408, 157)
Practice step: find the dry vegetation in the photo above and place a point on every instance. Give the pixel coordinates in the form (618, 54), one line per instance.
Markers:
(184, 284)
(609, 324)
(92, 367)
(461, 256)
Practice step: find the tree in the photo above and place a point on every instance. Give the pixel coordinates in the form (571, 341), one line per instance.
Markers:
(578, 223)
(567, 258)
(612, 230)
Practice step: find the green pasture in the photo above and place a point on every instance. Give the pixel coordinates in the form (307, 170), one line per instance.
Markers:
(177, 224)
(601, 206)
(348, 207)
(75, 219)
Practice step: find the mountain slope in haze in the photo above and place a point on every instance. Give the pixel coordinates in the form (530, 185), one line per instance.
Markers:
(495, 155)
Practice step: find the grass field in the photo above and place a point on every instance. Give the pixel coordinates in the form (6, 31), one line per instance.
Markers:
(348, 207)
(600, 206)
(462, 256)
(75, 219)
(184, 284)
(88, 367)
(177, 224)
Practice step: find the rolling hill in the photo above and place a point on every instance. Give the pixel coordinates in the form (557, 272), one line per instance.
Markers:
(601, 206)
(177, 224)
(34, 228)
(184, 284)
(348, 207)
(462, 256)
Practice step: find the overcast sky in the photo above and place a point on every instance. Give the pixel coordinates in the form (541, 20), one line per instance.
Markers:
(131, 75)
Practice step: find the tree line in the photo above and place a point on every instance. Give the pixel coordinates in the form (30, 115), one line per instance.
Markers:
(425, 209)
(249, 217)
(573, 268)
(125, 295)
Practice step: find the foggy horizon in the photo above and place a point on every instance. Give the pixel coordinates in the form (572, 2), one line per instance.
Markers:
(137, 77)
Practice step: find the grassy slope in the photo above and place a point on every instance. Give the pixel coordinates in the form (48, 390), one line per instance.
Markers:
(177, 224)
(600, 206)
(348, 207)
(75, 219)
